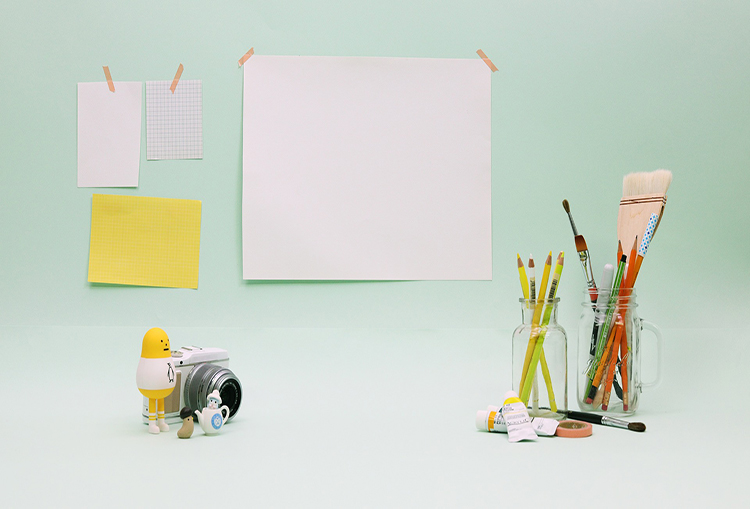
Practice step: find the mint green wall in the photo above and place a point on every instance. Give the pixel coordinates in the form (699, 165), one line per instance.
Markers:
(586, 92)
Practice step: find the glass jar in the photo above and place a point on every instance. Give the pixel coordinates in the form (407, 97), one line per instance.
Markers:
(610, 354)
(541, 342)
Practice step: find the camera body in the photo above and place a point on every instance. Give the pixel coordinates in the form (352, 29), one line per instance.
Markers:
(198, 372)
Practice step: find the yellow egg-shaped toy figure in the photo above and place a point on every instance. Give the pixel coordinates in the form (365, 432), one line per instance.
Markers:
(155, 376)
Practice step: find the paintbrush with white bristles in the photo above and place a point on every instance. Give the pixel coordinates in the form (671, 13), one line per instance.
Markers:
(643, 194)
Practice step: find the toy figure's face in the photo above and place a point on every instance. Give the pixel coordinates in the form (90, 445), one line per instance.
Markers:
(155, 344)
(213, 404)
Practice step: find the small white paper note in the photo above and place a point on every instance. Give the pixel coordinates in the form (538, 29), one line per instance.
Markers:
(174, 122)
(109, 134)
(366, 168)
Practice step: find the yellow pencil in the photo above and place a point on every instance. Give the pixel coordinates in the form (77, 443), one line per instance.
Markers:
(535, 320)
(522, 275)
(532, 297)
(541, 332)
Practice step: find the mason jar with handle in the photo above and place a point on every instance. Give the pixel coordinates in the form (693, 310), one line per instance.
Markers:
(610, 353)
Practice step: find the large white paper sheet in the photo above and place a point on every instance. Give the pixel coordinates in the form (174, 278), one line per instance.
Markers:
(366, 168)
(109, 134)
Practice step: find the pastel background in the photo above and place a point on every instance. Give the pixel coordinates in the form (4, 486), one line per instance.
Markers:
(584, 95)
(586, 92)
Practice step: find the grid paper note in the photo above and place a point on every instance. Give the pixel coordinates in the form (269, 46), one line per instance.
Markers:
(174, 122)
(144, 241)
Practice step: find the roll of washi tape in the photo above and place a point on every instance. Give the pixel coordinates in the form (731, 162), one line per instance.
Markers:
(574, 429)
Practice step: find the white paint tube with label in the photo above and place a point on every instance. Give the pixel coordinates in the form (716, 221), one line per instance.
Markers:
(517, 418)
(492, 420)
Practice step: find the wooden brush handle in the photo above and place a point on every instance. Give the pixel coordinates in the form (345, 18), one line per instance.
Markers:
(634, 213)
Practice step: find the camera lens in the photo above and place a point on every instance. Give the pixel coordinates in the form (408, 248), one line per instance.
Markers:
(205, 378)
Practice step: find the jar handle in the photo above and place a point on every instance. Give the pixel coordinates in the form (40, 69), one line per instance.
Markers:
(645, 324)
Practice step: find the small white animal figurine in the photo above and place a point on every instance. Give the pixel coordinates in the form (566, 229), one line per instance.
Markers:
(212, 418)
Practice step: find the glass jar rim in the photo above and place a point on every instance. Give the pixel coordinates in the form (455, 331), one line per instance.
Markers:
(626, 297)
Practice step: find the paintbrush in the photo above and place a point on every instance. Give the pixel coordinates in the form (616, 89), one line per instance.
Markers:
(603, 420)
(643, 194)
(583, 255)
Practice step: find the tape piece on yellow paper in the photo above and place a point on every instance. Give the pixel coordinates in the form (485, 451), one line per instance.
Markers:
(144, 241)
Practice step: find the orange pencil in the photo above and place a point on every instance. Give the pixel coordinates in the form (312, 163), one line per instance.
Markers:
(619, 255)
(638, 262)
(612, 366)
(630, 278)
(624, 368)
(605, 359)
(625, 291)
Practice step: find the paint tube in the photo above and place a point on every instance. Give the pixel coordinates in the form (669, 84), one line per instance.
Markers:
(492, 420)
(517, 419)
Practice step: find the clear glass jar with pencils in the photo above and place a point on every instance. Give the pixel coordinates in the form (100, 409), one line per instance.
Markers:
(609, 354)
(540, 341)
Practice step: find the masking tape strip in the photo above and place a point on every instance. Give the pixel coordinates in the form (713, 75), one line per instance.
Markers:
(246, 56)
(486, 60)
(107, 75)
(176, 78)
(574, 429)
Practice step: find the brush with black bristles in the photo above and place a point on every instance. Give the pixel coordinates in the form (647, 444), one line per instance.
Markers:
(604, 420)
(583, 255)
(643, 194)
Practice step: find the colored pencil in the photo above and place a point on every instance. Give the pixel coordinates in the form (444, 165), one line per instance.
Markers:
(624, 368)
(531, 297)
(539, 340)
(525, 291)
(604, 330)
(522, 277)
(612, 365)
(625, 291)
(600, 310)
(601, 369)
(535, 320)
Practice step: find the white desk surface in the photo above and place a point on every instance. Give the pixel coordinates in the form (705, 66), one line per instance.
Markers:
(358, 418)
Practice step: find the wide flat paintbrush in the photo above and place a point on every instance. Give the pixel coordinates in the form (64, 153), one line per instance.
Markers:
(643, 194)
(583, 255)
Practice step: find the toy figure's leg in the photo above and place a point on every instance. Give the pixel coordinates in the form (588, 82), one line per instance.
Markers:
(152, 427)
(163, 426)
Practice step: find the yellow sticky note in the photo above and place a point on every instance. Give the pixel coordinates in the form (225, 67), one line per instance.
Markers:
(145, 241)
